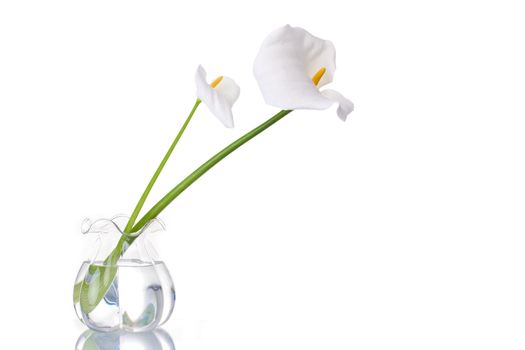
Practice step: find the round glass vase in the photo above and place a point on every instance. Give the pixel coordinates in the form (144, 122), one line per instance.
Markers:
(123, 286)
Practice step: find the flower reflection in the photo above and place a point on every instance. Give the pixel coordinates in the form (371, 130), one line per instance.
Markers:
(158, 339)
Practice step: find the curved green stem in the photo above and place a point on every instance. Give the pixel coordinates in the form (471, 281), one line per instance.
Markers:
(90, 294)
(144, 196)
(190, 179)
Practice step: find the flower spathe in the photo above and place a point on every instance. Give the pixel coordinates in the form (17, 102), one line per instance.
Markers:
(219, 96)
(287, 60)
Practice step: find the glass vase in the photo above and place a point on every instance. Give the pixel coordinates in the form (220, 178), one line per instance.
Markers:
(123, 286)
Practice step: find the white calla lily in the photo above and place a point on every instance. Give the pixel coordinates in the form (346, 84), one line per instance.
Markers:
(219, 96)
(291, 66)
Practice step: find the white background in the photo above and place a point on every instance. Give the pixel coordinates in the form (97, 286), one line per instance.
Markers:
(402, 228)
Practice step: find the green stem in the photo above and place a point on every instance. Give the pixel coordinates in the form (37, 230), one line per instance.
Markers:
(90, 294)
(190, 179)
(144, 196)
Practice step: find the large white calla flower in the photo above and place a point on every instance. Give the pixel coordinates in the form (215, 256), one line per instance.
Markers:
(219, 96)
(291, 66)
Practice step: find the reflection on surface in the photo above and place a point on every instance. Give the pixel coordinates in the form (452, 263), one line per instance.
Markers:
(158, 339)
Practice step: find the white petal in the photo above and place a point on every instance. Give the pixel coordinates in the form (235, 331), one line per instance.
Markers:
(285, 64)
(219, 100)
(345, 105)
(229, 90)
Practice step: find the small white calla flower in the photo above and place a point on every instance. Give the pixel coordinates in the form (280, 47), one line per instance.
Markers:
(219, 96)
(291, 66)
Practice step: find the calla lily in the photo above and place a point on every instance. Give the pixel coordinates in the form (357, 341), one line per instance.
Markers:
(292, 65)
(219, 96)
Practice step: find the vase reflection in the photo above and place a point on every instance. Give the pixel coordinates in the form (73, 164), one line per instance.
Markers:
(158, 339)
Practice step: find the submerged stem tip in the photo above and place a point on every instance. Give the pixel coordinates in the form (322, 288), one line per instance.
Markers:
(216, 82)
(317, 76)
